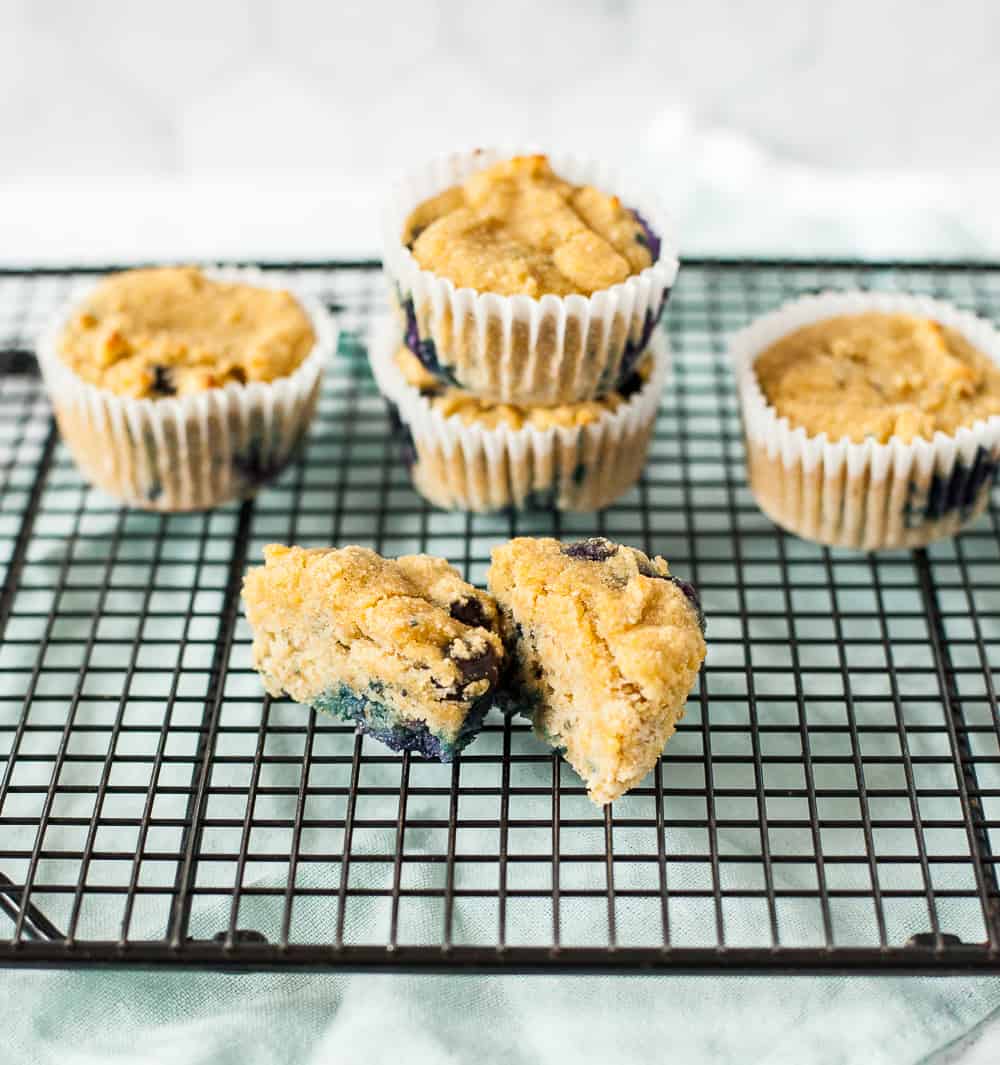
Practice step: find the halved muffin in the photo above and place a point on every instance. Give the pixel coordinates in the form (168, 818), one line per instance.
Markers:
(402, 647)
(605, 645)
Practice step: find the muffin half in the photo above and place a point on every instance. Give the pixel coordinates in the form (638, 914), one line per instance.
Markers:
(605, 645)
(403, 648)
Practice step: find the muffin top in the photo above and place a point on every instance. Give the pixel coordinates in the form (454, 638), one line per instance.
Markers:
(878, 375)
(172, 331)
(519, 228)
(473, 409)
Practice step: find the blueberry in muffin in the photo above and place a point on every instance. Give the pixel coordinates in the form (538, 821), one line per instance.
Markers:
(404, 648)
(605, 644)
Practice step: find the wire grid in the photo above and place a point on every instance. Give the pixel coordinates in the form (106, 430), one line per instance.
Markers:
(831, 800)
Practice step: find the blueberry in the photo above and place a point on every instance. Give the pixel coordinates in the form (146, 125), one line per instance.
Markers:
(162, 384)
(688, 589)
(630, 385)
(634, 349)
(596, 549)
(423, 348)
(255, 466)
(692, 597)
(647, 569)
(482, 666)
(469, 611)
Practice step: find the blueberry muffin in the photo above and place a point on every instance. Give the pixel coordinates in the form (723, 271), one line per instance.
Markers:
(404, 648)
(526, 281)
(872, 420)
(468, 452)
(605, 645)
(176, 388)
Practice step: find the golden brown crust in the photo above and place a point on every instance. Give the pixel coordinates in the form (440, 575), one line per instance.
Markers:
(518, 228)
(173, 331)
(878, 375)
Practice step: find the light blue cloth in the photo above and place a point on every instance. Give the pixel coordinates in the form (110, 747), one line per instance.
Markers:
(89, 1018)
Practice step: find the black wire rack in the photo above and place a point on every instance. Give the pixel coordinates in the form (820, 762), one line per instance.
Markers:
(831, 801)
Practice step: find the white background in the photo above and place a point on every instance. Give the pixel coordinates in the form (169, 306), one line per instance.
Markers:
(133, 130)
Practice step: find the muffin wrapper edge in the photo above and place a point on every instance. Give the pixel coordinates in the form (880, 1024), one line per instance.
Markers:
(194, 451)
(865, 495)
(516, 349)
(472, 467)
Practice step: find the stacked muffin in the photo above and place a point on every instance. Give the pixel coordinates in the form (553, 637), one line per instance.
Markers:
(524, 367)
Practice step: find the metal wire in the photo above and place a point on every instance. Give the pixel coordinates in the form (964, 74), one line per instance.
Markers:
(830, 803)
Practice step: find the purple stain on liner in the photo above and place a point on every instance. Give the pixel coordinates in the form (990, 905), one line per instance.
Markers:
(651, 240)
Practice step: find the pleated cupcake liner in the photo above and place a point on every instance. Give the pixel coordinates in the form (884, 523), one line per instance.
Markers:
(866, 495)
(194, 451)
(518, 349)
(456, 465)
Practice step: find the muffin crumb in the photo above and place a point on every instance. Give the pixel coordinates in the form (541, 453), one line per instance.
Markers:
(403, 647)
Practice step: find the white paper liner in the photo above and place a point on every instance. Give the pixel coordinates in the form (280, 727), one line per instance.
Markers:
(518, 349)
(474, 467)
(863, 495)
(194, 451)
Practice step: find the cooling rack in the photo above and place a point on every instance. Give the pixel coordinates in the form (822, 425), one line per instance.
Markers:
(831, 801)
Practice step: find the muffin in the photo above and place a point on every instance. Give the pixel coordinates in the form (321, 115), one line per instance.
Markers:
(178, 389)
(871, 420)
(527, 281)
(405, 649)
(605, 645)
(470, 453)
